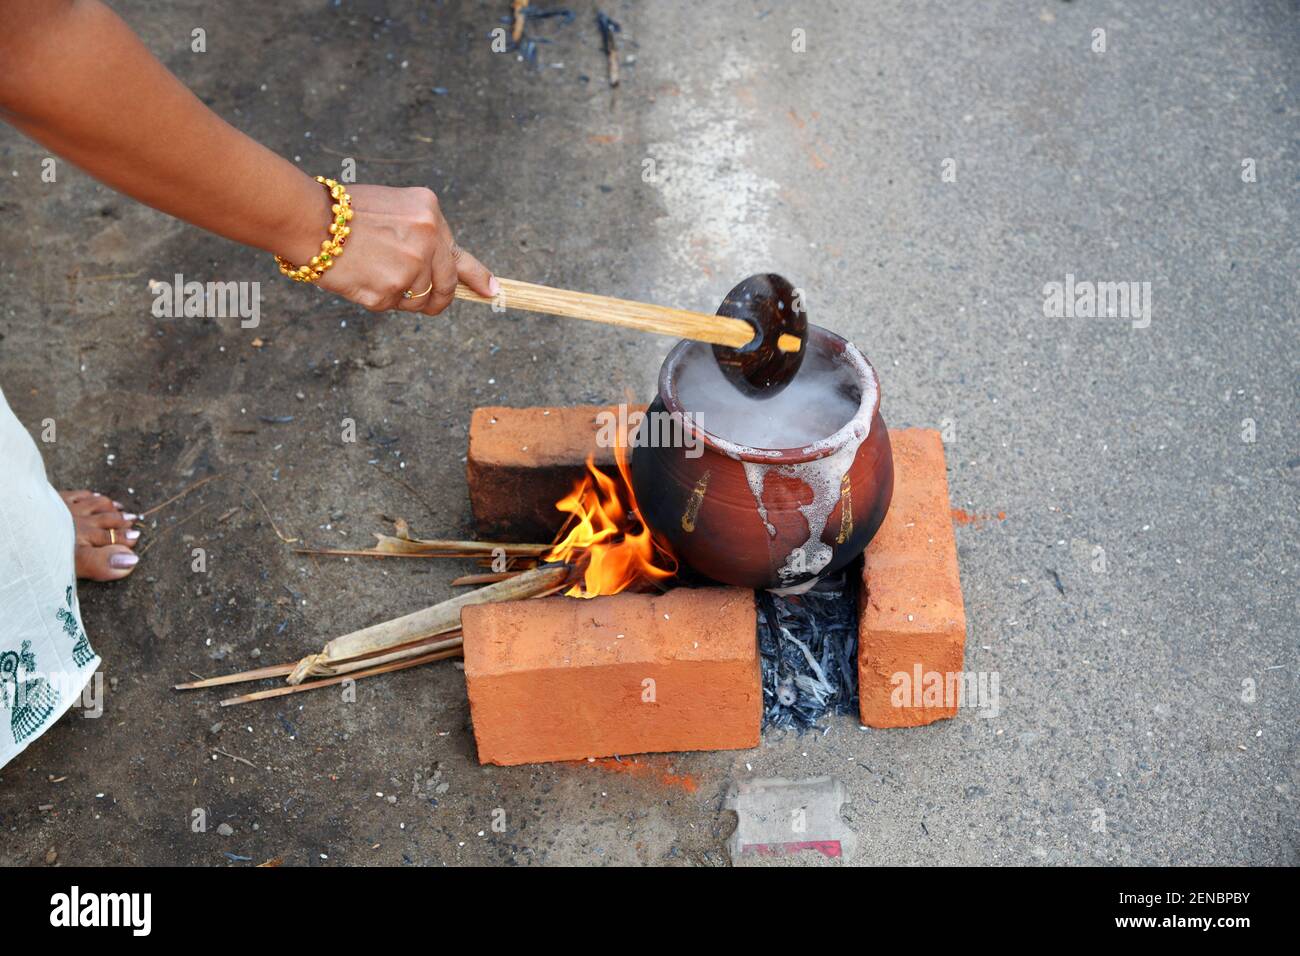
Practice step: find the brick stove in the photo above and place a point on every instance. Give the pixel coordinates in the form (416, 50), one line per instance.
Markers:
(562, 678)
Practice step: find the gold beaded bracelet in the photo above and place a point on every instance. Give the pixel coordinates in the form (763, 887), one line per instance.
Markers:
(331, 248)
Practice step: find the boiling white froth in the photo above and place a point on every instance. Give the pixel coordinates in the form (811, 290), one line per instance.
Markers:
(819, 401)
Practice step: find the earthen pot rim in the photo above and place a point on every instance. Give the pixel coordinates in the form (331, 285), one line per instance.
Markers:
(856, 429)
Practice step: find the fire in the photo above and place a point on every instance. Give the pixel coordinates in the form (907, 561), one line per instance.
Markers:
(606, 536)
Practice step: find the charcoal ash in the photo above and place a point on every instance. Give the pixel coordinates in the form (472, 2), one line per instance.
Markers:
(809, 649)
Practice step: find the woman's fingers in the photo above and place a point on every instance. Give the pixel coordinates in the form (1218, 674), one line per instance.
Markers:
(451, 264)
(422, 283)
(444, 279)
(473, 273)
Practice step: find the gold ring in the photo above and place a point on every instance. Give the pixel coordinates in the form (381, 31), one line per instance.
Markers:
(112, 536)
(408, 294)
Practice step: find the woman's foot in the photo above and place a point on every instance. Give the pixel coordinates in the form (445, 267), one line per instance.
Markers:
(104, 536)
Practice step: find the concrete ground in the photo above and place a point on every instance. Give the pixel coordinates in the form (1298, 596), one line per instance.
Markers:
(1148, 690)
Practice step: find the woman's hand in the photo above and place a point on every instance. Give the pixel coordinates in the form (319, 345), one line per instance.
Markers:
(152, 139)
(399, 242)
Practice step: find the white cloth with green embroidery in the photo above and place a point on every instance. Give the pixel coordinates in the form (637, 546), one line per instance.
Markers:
(45, 657)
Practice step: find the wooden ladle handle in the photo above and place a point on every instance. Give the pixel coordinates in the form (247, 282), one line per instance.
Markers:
(642, 316)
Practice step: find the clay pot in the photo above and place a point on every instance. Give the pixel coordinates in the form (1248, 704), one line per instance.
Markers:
(768, 518)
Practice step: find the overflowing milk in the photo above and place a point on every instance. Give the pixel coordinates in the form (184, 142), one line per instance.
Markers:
(823, 412)
(818, 402)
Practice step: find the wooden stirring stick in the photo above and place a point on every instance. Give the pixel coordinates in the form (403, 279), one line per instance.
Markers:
(718, 329)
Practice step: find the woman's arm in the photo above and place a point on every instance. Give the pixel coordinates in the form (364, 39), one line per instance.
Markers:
(75, 78)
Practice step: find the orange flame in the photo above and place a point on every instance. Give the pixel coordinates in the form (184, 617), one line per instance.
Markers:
(606, 536)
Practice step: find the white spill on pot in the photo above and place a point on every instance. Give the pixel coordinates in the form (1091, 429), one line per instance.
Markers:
(828, 406)
(772, 492)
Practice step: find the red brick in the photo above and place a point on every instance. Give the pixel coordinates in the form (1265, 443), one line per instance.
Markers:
(911, 610)
(564, 678)
(522, 460)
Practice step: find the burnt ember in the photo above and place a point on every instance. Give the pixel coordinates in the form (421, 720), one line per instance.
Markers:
(809, 649)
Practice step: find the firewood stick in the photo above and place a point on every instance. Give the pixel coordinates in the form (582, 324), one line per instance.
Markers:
(609, 30)
(429, 622)
(481, 547)
(272, 670)
(563, 585)
(357, 675)
(520, 563)
(490, 578)
(446, 640)
(431, 548)
(611, 59)
(376, 553)
(517, 28)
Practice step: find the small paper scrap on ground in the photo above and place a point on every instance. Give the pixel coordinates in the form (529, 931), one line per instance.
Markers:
(789, 822)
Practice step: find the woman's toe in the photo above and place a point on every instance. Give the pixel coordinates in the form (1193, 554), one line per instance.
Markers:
(110, 535)
(108, 563)
(107, 527)
(109, 519)
(95, 504)
(90, 504)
